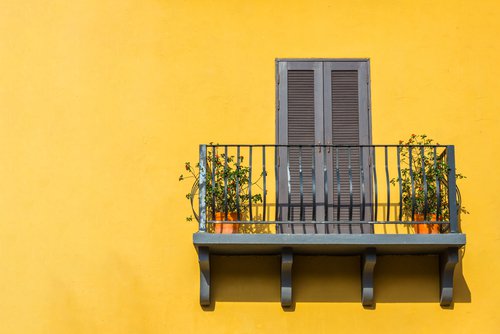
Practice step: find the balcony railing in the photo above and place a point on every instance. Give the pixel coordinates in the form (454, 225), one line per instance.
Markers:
(360, 186)
(328, 199)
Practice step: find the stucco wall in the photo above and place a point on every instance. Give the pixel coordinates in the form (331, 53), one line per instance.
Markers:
(101, 103)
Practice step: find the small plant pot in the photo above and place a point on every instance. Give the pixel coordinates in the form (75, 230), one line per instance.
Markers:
(226, 228)
(425, 228)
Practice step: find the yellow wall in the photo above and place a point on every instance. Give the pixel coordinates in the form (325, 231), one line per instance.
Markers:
(101, 103)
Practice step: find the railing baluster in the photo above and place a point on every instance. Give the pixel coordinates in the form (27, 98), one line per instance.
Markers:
(452, 189)
(362, 171)
(337, 171)
(264, 175)
(400, 181)
(424, 179)
(301, 185)
(289, 187)
(325, 187)
(438, 186)
(313, 177)
(250, 183)
(388, 185)
(410, 162)
(374, 164)
(238, 183)
(350, 182)
(225, 183)
(203, 187)
(276, 176)
(214, 164)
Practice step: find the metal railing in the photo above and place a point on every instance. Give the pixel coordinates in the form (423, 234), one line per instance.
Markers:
(327, 185)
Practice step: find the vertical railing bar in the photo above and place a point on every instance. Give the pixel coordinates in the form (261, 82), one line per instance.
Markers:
(301, 180)
(374, 164)
(276, 171)
(438, 186)
(313, 176)
(452, 188)
(410, 161)
(362, 177)
(337, 171)
(250, 183)
(264, 186)
(225, 183)
(362, 171)
(325, 185)
(400, 181)
(289, 187)
(202, 183)
(301, 185)
(214, 163)
(424, 179)
(388, 185)
(237, 199)
(350, 182)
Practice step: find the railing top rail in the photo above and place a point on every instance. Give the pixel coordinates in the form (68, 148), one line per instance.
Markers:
(317, 145)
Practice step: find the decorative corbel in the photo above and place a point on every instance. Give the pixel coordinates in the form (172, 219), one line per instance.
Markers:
(447, 262)
(286, 277)
(368, 261)
(204, 261)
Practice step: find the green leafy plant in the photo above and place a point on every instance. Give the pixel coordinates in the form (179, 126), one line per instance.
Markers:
(435, 168)
(228, 186)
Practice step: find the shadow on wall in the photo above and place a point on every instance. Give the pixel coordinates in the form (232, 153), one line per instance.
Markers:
(334, 279)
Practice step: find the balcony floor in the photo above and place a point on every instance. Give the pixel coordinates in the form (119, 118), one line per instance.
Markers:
(327, 244)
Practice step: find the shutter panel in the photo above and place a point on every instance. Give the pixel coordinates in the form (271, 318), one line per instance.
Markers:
(347, 115)
(300, 123)
(345, 131)
(301, 130)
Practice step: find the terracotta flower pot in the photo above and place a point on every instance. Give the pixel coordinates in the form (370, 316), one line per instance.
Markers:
(226, 228)
(425, 228)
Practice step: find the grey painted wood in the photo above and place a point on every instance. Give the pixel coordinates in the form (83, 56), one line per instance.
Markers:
(202, 186)
(204, 262)
(286, 277)
(447, 262)
(346, 87)
(321, 59)
(328, 244)
(366, 245)
(322, 69)
(282, 138)
(299, 122)
(368, 261)
(452, 188)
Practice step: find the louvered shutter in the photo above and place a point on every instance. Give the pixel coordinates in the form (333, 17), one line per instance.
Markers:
(300, 123)
(320, 102)
(347, 123)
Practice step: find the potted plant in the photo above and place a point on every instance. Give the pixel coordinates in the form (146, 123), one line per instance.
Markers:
(227, 190)
(415, 205)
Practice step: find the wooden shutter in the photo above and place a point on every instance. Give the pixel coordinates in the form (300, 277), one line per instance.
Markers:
(300, 122)
(347, 123)
(320, 102)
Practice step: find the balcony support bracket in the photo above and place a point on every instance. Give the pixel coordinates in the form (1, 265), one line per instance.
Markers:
(286, 277)
(204, 261)
(368, 261)
(447, 262)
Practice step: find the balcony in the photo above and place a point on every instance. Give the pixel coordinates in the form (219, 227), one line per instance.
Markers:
(366, 200)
